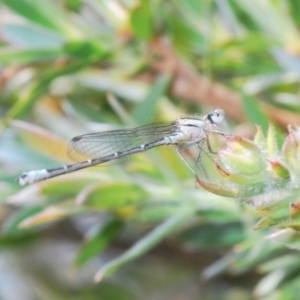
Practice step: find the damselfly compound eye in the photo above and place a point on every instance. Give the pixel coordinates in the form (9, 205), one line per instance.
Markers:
(217, 116)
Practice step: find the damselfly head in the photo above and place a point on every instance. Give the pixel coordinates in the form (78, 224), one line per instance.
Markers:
(216, 116)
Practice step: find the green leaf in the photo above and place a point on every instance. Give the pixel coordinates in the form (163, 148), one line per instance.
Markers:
(96, 243)
(213, 235)
(145, 112)
(45, 13)
(185, 36)
(50, 214)
(268, 18)
(146, 243)
(34, 37)
(254, 113)
(66, 185)
(9, 55)
(11, 227)
(229, 189)
(141, 21)
(294, 8)
(74, 5)
(285, 213)
(81, 49)
(40, 139)
(270, 283)
(154, 213)
(113, 195)
(40, 87)
(289, 290)
(288, 237)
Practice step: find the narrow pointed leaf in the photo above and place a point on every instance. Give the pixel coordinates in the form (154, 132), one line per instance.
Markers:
(145, 244)
(95, 244)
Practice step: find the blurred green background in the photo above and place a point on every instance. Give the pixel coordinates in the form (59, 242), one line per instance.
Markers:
(142, 229)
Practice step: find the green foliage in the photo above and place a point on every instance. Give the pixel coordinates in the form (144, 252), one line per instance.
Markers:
(98, 241)
(72, 67)
(141, 19)
(253, 112)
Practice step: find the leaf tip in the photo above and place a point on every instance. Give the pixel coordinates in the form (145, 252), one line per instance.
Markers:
(98, 277)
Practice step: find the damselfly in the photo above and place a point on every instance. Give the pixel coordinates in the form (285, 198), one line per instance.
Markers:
(102, 147)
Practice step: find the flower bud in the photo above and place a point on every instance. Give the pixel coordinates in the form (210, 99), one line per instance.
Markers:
(279, 171)
(245, 168)
(291, 149)
(241, 161)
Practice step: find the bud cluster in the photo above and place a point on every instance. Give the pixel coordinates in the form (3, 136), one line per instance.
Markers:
(257, 170)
